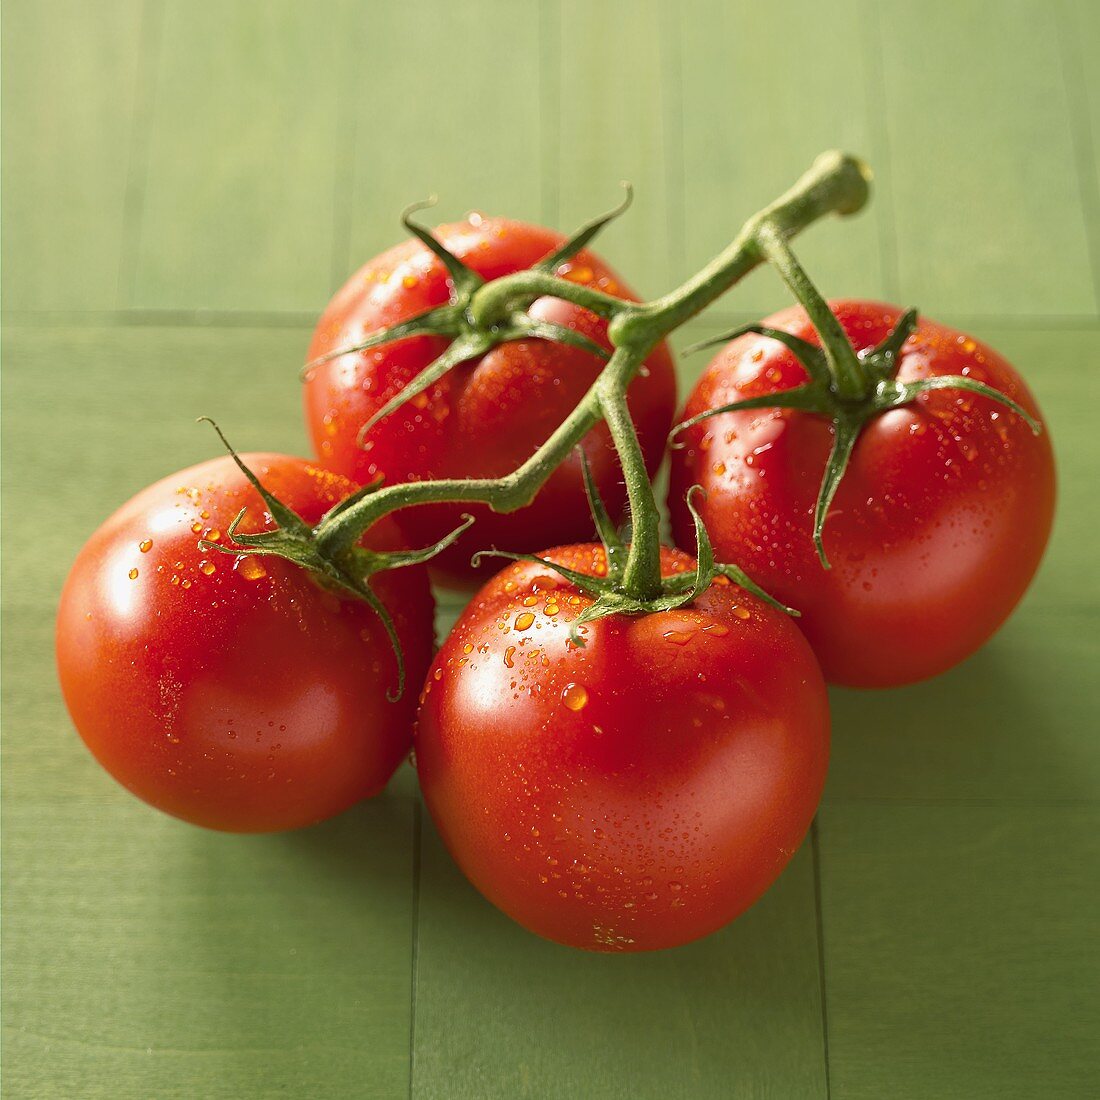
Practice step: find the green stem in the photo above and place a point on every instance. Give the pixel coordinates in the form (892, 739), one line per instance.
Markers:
(839, 354)
(339, 535)
(836, 183)
(495, 301)
(642, 573)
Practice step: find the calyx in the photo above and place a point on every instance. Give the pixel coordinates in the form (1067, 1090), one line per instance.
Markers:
(677, 589)
(872, 388)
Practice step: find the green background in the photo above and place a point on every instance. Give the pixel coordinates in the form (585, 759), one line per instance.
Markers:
(184, 184)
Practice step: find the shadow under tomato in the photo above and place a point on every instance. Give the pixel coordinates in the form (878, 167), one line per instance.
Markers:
(1009, 723)
(688, 1021)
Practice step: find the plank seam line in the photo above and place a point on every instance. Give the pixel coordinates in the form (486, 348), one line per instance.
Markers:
(231, 318)
(815, 845)
(875, 93)
(418, 814)
(549, 101)
(141, 129)
(344, 169)
(1080, 117)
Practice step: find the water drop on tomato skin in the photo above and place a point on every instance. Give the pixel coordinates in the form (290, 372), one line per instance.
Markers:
(145, 545)
(575, 696)
(250, 568)
(133, 574)
(524, 621)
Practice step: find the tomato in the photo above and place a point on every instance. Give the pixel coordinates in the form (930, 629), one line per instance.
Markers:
(939, 522)
(236, 693)
(638, 792)
(485, 417)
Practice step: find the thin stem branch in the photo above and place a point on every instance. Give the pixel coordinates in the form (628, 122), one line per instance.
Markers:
(835, 184)
(642, 574)
(494, 302)
(839, 353)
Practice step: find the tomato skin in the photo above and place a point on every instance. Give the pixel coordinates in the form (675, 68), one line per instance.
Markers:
(238, 696)
(635, 794)
(486, 417)
(938, 525)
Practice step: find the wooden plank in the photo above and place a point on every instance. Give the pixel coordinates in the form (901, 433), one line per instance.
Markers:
(996, 733)
(960, 950)
(69, 82)
(460, 123)
(502, 1013)
(620, 121)
(982, 166)
(1079, 22)
(240, 188)
(767, 88)
(144, 957)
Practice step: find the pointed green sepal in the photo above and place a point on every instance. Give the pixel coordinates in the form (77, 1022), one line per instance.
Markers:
(523, 327)
(280, 513)
(845, 433)
(613, 545)
(582, 236)
(584, 581)
(463, 279)
(909, 391)
(809, 355)
(460, 350)
(886, 357)
(377, 560)
(445, 320)
(808, 398)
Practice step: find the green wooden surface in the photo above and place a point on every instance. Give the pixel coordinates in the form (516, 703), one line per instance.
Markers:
(183, 186)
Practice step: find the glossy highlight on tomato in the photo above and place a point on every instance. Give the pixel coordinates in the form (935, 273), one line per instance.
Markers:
(236, 693)
(485, 417)
(939, 523)
(633, 794)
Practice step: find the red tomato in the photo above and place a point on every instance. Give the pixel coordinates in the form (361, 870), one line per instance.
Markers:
(236, 694)
(939, 522)
(486, 417)
(635, 793)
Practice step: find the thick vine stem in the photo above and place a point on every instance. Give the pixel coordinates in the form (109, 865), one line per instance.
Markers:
(507, 494)
(481, 315)
(837, 183)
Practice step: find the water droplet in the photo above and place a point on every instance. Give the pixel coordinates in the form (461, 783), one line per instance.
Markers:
(509, 653)
(741, 612)
(206, 567)
(530, 601)
(524, 621)
(574, 696)
(717, 629)
(196, 527)
(145, 545)
(409, 282)
(250, 568)
(133, 574)
(678, 637)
